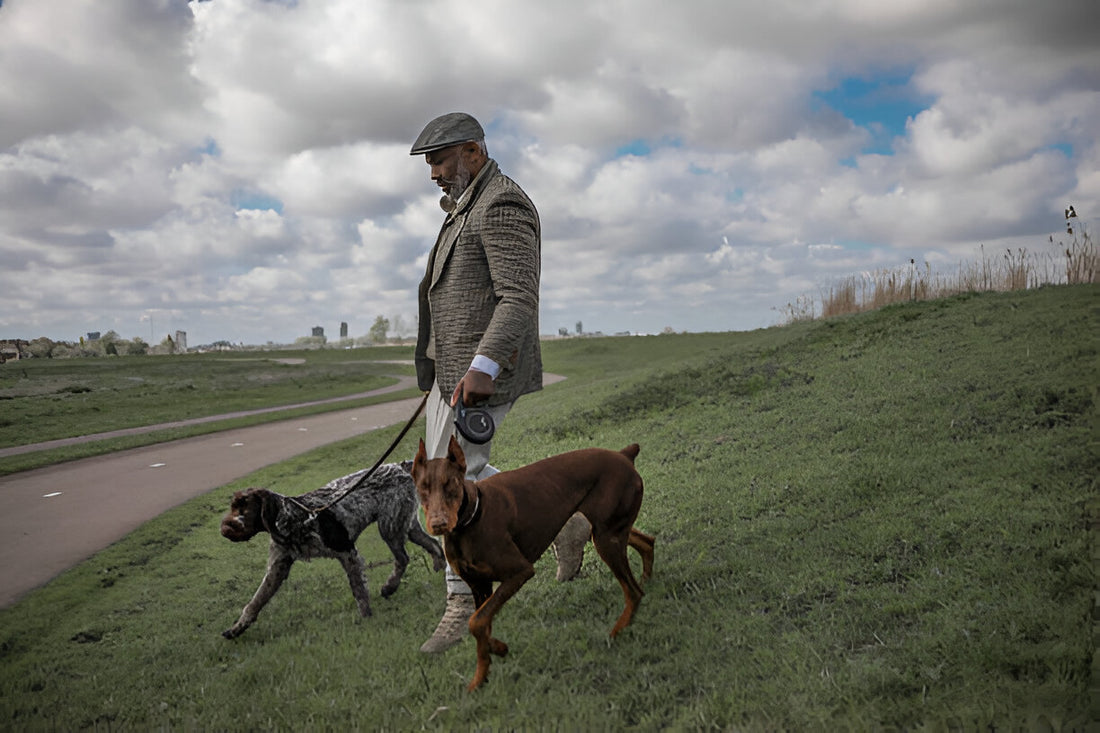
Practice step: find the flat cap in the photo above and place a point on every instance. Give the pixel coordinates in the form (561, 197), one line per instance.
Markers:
(447, 130)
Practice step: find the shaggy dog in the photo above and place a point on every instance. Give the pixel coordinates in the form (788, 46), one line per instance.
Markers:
(388, 497)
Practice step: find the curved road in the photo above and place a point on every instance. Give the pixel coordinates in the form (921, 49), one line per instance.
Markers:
(55, 517)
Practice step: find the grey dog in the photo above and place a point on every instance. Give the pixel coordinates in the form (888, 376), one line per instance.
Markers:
(388, 497)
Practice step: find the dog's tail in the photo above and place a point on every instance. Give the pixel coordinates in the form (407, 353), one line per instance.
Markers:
(631, 451)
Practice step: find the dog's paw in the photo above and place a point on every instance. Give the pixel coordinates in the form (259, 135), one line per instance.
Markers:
(232, 633)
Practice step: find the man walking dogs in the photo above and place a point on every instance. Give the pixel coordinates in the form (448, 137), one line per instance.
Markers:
(478, 338)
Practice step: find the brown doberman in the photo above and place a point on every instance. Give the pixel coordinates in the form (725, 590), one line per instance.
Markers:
(495, 529)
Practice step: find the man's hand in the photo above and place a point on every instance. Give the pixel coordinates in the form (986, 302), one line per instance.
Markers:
(476, 386)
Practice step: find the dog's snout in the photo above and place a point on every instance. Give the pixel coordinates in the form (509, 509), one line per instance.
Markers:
(233, 528)
(438, 522)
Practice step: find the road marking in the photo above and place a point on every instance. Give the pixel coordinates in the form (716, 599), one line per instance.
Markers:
(236, 445)
(303, 430)
(157, 465)
(48, 496)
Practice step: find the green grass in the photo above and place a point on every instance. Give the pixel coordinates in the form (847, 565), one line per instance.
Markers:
(46, 399)
(877, 522)
(50, 399)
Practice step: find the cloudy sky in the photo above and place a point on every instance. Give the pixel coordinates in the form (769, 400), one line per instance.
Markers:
(239, 169)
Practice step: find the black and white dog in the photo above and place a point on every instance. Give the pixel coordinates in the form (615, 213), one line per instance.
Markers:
(388, 498)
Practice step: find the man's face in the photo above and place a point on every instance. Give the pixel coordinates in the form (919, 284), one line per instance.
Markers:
(449, 169)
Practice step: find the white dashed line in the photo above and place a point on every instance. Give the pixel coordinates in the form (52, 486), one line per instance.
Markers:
(157, 465)
(49, 496)
(236, 445)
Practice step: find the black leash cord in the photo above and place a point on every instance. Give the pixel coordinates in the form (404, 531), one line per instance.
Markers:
(363, 479)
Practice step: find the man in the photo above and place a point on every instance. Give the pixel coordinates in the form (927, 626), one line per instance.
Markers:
(478, 338)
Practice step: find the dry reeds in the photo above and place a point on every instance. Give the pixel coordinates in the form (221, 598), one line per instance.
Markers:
(871, 290)
(1082, 261)
(802, 309)
(1014, 270)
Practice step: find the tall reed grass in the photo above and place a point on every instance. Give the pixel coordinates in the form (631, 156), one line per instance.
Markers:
(1060, 264)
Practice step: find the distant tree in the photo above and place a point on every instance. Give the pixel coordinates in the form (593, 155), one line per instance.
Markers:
(106, 344)
(378, 331)
(41, 348)
(137, 347)
(63, 350)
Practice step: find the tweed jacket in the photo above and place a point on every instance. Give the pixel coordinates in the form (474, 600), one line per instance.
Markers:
(480, 292)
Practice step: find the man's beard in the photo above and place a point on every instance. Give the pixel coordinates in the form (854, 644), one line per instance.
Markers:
(461, 180)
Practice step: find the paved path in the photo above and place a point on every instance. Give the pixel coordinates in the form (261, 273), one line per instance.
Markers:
(55, 517)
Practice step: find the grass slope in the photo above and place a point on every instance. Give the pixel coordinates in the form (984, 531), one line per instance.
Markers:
(875, 522)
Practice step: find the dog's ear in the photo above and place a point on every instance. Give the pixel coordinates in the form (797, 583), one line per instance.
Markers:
(420, 462)
(456, 456)
(269, 508)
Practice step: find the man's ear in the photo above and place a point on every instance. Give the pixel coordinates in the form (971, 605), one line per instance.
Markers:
(456, 456)
(472, 157)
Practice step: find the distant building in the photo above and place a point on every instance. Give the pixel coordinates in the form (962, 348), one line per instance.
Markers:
(318, 332)
(343, 329)
(181, 342)
(10, 349)
(93, 335)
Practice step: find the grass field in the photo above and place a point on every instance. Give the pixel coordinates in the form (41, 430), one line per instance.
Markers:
(884, 521)
(50, 399)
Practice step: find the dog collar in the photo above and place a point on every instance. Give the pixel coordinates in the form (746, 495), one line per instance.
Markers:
(477, 509)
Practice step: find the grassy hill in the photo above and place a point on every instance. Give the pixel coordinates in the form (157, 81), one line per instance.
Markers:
(879, 521)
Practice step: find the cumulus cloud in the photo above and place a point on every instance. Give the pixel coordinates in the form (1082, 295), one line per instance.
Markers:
(240, 168)
(73, 67)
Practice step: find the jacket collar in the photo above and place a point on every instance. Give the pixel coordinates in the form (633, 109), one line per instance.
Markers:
(456, 220)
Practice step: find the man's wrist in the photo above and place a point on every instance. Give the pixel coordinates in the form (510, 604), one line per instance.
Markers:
(485, 365)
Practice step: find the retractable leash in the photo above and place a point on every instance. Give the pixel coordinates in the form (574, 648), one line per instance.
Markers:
(475, 425)
(363, 479)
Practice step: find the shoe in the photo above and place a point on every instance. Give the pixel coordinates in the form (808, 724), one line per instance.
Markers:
(454, 626)
(569, 546)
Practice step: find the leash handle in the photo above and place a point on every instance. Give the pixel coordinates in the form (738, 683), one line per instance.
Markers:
(474, 424)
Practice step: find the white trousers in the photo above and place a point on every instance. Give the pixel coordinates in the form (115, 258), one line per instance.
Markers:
(440, 426)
